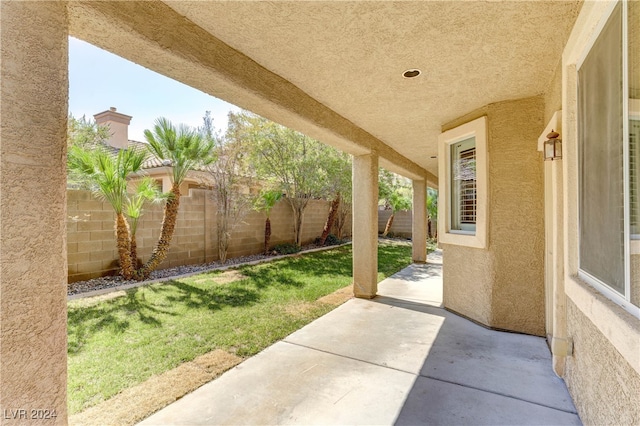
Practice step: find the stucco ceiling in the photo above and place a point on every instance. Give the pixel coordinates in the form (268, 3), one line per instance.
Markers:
(337, 65)
(350, 56)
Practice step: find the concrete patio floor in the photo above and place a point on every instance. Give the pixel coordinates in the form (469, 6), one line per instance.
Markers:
(397, 359)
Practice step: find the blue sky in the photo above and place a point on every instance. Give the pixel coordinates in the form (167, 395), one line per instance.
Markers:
(99, 80)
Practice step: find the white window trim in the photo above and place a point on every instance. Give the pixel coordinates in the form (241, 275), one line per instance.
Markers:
(634, 113)
(619, 326)
(619, 299)
(478, 129)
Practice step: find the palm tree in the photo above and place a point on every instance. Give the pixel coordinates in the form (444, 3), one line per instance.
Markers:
(184, 149)
(265, 202)
(394, 192)
(396, 201)
(106, 175)
(145, 190)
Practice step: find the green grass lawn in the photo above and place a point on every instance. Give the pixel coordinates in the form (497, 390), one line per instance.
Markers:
(117, 343)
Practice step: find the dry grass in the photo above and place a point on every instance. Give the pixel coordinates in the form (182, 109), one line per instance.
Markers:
(139, 402)
(338, 297)
(225, 277)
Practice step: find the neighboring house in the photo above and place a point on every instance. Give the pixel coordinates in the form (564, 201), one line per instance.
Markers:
(549, 248)
(159, 170)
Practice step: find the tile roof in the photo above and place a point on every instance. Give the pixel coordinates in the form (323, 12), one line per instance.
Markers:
(151, 161)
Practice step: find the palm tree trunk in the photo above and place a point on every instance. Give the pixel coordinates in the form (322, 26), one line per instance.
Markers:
(168, 226)
(134, 251)
(389, 223)
(333, 211)
(124, 247)
(267, 235)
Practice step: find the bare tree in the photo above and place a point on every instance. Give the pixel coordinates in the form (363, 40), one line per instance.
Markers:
(230, 181)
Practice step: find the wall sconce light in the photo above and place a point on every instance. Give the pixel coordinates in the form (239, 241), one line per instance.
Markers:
(553, 147)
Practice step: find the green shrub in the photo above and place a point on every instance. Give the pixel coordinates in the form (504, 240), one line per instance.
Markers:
(332, 240)
(287, 248)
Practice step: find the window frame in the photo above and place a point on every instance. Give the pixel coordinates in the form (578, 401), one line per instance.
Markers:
(447, 234)
(458, 226)
(634, 114)
(623, 300)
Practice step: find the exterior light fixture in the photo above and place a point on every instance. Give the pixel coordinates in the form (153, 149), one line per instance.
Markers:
(411, 73)
(553, 147)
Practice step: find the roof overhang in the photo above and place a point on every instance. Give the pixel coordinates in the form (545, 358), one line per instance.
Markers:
(333, 70)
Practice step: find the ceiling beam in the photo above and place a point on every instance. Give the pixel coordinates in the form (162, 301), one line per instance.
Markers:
(153, 35)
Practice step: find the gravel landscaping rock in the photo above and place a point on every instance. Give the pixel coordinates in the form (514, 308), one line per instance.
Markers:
(117, 281)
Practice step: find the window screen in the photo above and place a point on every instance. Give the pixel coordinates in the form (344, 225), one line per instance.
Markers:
(601, 163)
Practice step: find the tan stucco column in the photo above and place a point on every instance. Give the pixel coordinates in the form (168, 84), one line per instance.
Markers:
(365, 225)
(33, 269)
(561, 345)
(419, 221)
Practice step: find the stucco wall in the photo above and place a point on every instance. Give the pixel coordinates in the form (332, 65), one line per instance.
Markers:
(468, 290)
(516, 212)
(603, 373)
(553, 94)
(604, 387)
(502, 286)
(91, 243)
(33, 119)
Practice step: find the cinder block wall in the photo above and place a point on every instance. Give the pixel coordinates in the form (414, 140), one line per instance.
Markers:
(91, 238)
(401, 225)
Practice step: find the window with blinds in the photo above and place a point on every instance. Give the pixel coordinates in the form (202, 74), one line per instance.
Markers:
(463, 186)
(468, 187)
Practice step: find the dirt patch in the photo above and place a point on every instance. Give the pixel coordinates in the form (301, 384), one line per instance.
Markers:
(224, 278)
(139, 402)
(338, 297)
(299, 309)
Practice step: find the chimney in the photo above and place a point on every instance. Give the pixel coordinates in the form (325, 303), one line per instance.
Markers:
(118, 127)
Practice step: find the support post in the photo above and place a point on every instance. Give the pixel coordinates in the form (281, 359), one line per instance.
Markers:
(365, 225)
(33, 253)
(561, 345)
(419, 222)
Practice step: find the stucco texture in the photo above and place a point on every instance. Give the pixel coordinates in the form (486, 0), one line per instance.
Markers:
(468, 275)
(604, 387)
(502, 286)
(365, 226)
(286, 60)
(137, 30)
(553, 94)
(33, 115)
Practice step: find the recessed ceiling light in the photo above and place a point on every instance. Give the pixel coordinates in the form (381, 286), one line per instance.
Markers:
(411, 73)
